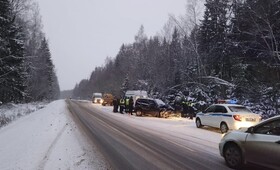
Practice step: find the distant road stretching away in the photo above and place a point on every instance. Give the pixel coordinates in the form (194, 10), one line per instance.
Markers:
(127, 147)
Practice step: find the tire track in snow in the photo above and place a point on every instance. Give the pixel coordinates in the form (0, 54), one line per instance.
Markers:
(49, 151)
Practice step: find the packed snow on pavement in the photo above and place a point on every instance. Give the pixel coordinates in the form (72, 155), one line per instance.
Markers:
(47, 139)
(181, 130)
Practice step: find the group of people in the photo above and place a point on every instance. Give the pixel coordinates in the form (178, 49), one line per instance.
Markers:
(123, 104)
(188, 108)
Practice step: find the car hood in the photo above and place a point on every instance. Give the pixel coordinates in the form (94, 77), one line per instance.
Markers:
(243, 129)
(236, 135)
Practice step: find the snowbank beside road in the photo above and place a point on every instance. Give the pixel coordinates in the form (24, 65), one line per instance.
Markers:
(10, 112)
(47, 139)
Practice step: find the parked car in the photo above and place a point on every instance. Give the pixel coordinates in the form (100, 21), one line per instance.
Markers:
(259, 144)
(154, 107)
(97, 98)
(227, 116)
(107, 99)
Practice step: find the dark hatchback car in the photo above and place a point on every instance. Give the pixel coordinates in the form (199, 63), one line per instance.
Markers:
(153, 107)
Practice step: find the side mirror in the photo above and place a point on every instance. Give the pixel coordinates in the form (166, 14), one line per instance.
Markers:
(204, 111)
(250, 129)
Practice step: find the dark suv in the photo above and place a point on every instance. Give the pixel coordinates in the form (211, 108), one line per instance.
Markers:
(154, 107)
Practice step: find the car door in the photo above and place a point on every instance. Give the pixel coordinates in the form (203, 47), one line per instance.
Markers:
(205, 118)
(263, 145)
(153, 108)
(217, 117)
(144, 105)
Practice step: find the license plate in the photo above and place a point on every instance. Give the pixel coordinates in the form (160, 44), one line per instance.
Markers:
(250, 119)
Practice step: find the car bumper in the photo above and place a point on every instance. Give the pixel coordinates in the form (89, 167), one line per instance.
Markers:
(221, 146)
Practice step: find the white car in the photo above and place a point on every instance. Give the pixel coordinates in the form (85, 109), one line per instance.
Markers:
(227, 116)
(259, 145)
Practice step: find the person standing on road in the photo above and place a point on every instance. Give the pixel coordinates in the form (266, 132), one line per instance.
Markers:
(185, 108)
(130, 106)
(190, 109)
(122, 105)
(115, 105)
(126, 104)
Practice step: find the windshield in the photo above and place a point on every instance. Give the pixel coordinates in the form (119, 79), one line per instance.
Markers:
(160, 102)
(239, 109)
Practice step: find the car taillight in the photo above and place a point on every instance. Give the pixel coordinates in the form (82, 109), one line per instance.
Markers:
(237, 117)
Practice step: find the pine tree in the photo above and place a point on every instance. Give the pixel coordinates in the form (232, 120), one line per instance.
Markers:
(213, 37)
(175, 58)
(12, 75)
(125, 85)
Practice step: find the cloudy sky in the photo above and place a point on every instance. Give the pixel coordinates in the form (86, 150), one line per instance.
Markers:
(82, 33)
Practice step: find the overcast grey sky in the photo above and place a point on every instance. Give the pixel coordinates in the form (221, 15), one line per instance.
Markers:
(82, 33)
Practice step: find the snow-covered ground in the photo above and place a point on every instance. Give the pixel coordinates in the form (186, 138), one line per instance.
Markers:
(10, 112)
(47, 139)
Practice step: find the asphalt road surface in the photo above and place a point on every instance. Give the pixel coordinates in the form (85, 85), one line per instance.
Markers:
(128, 147)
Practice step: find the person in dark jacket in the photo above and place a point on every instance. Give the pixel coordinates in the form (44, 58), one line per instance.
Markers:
(115, 105)
(190, 109)
(130, 105)
(185, 108)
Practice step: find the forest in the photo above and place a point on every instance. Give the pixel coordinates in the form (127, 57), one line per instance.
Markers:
(27, 72)
(232, 52)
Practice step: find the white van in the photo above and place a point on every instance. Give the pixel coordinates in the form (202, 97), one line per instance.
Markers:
(97, 98)
(136, 94)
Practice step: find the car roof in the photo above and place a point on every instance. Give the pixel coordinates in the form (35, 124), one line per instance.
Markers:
(228, 105)
(147, 98)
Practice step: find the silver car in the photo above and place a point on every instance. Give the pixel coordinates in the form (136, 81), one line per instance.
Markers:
(259, 144)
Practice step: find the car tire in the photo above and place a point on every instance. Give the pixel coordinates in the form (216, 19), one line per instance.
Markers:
(163, 114)
(198, 123)
(183, 115)
(223, 127)
(139, 113)
(233, 156)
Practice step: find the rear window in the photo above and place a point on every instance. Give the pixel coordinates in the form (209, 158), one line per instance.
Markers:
(239, 109)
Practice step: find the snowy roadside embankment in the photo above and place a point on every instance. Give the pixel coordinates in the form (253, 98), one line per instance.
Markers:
(47, 139)
(10, 112)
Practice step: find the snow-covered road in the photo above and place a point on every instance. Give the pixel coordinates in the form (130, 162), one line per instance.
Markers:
(131, 142)
(47, 139)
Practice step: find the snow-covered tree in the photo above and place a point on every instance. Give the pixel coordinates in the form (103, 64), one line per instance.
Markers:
(12, 75)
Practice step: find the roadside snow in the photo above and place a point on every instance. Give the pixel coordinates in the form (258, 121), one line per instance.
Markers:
(10, 112)
(47, 139)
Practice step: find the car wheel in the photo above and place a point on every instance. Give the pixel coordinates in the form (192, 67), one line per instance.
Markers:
(233, 156)
(223, 127)
(183, 115)
(198, 123)
(138, 113)
(163, 114)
